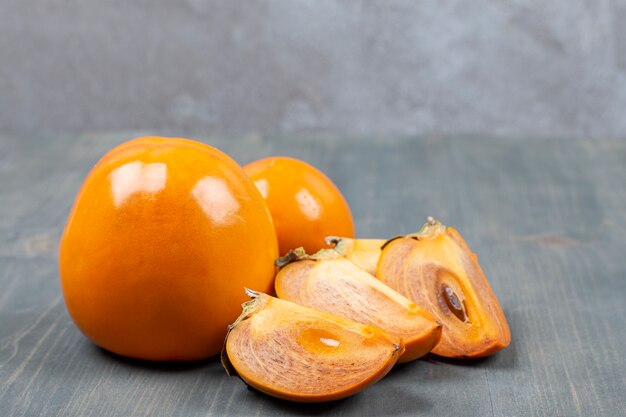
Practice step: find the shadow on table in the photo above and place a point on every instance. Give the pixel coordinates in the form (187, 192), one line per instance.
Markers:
(377, 400)
(432, 358)
(305, 409)
(168, 366)
(505, 359)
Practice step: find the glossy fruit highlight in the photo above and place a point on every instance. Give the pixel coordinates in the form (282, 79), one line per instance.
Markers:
(162, 237)
(305, 204)
(328, 282)
(436, 269)
(300, 354)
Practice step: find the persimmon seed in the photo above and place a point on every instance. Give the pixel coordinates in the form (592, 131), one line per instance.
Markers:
(453, 303)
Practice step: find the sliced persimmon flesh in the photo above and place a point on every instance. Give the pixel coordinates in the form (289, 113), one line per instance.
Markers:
(364, 253)
(328, 282)
(436, 270)
(300, 354)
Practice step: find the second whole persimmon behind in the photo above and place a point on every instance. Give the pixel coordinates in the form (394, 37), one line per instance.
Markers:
(305, 204)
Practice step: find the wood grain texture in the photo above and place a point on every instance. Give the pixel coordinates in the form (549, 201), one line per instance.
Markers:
(547, 219)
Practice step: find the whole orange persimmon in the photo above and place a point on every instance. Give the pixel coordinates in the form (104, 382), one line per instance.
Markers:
(305, 204)
(164, 235)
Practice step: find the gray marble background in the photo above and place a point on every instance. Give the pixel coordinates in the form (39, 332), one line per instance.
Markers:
(518, 68)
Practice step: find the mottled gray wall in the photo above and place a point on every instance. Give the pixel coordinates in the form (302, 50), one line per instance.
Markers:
(511, 68)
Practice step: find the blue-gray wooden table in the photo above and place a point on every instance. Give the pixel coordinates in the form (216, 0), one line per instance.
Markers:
(547, 219)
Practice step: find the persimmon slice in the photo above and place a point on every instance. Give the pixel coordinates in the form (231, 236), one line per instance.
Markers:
(364, 253)
(327, 281)
(300, 354)
(436, 270)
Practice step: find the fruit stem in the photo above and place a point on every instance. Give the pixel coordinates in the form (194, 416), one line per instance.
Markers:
(247, 309)
(432, 228)
(299, 254)
(292, 256)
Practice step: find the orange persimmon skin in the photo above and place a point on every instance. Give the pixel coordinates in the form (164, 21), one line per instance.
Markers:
(162, 237)
(305, 204)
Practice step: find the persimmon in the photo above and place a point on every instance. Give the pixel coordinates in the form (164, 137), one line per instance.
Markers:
(364, 253)
(305, 204)
(162, 237)
(300, 354)
(328, 282)
(436, 270)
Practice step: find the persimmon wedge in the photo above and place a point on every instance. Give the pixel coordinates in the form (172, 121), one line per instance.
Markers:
(364, 253)
(436, 270)
(296, 353)
(328, 282)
